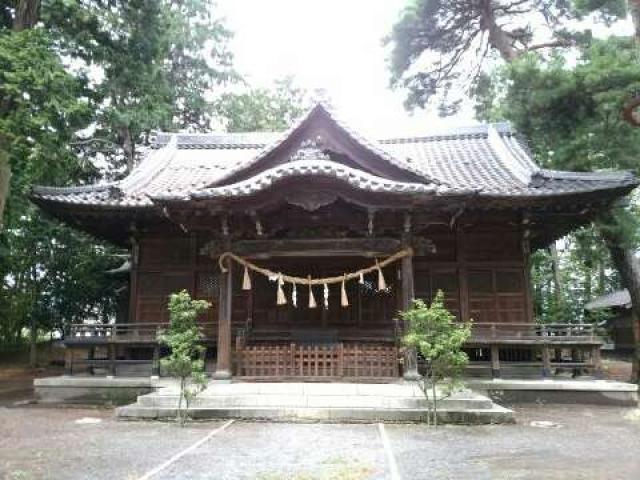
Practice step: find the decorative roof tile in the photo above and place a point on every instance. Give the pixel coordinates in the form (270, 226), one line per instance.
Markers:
(487, 159)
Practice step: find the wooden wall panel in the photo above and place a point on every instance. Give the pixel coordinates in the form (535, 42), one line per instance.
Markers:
(492, 246)
(429, 279)
(154, 289)
(497, 295)
(165, 253)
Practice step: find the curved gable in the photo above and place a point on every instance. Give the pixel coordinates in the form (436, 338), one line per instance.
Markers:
(319, 134)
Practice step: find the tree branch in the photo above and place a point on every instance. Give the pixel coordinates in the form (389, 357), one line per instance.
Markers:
(550, 44)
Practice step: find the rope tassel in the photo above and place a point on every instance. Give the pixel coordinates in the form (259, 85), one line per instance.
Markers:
(310, 282)
(344, 300)
(326, 296)
(246, 279)
(382, 285)
(294, 296)
(312, 299)
(281, 298)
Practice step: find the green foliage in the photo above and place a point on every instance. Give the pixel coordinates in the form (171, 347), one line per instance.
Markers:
(608, 10)
(158, 61)
(572, 115)
(183, 339)
(263, 109)
(440, 48)
(51, 275)
(434, 333)
(85, 88)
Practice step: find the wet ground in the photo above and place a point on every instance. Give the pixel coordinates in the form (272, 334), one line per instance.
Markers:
(577, 442)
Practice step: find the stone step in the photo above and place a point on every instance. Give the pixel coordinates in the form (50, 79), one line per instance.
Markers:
(471, 401)
(394, 402)
(494, 415)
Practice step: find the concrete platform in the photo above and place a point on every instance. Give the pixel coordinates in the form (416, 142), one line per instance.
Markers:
(329, 402)
(566, 391)
(94, 390)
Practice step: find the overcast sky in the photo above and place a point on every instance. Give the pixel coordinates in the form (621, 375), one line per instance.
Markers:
(335, 45)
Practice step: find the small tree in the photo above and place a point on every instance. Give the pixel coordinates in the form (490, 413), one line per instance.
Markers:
(183, 338)
(435, 334)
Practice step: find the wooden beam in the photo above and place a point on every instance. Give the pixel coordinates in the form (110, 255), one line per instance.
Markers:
(361, 247)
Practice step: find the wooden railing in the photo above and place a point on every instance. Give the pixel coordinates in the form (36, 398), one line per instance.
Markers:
(480, 332)
(80, 332)
(317, 360)
(560, 332)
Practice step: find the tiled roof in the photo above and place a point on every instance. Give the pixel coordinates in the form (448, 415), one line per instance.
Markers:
(356, 178)
(489, 160)
(619, 298)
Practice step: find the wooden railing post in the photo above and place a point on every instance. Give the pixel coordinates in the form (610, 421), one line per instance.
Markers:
(495, 361)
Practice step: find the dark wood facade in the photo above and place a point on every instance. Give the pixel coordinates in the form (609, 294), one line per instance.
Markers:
(321, 201)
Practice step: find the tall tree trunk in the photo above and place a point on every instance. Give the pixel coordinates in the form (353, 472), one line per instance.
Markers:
(601, 278)
(27, 14)
(5, 177)
(33, 343)
(498, 38)
(626, 263)
(129, 147)
(634, 13)
(588, 283)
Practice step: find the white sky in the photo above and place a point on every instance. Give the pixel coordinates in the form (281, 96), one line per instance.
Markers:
(335, 45)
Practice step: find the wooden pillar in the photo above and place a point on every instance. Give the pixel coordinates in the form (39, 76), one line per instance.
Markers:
(596, 361)
(68, 360)
(546, 361)
(526, 262)
(91, 356)
(155, 365)
(407, 295)
(223, 363)
(133, 280)
(249, 322)
(575, 359)
(112, 360)
(463, 276)
(495, 361)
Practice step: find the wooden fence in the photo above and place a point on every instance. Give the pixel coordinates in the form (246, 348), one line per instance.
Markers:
(305, 360)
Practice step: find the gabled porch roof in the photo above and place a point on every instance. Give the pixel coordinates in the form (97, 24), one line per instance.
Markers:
(488, 159)
(488, 163)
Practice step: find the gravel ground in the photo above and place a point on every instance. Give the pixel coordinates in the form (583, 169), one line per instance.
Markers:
(577, 442)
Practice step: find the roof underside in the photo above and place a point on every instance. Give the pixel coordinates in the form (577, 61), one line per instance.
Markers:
(488, 161)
